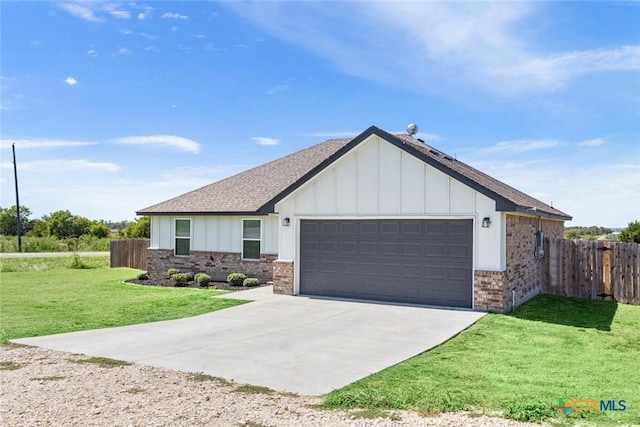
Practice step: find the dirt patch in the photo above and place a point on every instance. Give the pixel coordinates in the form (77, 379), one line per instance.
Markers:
(52, 389)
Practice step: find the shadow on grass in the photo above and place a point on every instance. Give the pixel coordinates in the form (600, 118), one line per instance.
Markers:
(581, 313)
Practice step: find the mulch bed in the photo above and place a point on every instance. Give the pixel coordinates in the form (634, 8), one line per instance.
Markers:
(168, 283)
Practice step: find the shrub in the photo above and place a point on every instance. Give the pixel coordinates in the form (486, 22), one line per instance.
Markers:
(191, 276)
(172, 271)
(236, 279)
(143, 276)
(251, 281)
(77, 263)
(202, 279)
(180, 279)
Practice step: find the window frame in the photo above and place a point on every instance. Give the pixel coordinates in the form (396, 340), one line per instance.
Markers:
(243, 239)
(176, 237)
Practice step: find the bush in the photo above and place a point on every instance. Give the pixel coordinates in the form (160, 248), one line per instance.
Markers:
(236, 279)
(202, 279)
(172, 271)
(143, 276)
(191, 276)
(250, 282)
(180, 279)
(77, 263)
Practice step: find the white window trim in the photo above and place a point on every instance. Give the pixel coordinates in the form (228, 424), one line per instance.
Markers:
(175, 236)
(242, 239)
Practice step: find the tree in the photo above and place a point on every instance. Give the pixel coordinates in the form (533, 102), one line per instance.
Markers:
(631, 234)
(99, 230)
(141, 228)
(39, 228)
(9, 223)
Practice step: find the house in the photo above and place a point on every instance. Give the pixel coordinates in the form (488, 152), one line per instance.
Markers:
(378, 217)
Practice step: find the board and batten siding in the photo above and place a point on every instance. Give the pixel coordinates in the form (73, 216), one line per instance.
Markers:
(214, 233)
(377, 179)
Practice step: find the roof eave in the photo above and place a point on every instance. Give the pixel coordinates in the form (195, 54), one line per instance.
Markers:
(536, 212)
(204, 213)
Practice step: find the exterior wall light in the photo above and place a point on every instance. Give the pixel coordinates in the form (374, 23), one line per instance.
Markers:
(486, 222)
(286, 222)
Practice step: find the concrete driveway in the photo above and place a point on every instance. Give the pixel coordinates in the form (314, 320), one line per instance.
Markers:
(299, 344)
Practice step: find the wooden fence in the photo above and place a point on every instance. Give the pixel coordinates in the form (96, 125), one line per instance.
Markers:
(129, 253)
(592, 269)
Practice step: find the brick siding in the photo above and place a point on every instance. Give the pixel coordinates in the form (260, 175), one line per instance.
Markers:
(523, 274)
(218, 265)
(283, 277)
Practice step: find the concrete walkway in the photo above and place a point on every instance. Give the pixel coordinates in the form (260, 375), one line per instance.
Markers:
(299, 344)
(49, 254)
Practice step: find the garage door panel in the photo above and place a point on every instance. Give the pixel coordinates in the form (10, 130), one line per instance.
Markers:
(458, 251)
(390, 249)
(412, 249)
(348, 229)
(433, 250)
(410, 261)
(368, 248)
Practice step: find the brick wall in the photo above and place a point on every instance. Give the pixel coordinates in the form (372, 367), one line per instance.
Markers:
(489, 292)
(493, 290)
(524, 272)
(216, 264)
(283, 277)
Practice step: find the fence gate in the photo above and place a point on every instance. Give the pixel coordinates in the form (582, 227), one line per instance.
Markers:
(129, 253)
(592, 269)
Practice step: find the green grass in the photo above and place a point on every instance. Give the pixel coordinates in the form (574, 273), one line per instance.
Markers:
(47, 302)
(14, 265)
(519, 364)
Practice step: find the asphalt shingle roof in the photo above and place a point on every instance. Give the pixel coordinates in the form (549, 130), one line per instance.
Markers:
(257, 190)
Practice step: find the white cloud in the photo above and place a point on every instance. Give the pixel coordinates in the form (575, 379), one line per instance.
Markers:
(70, 81)
(120, 14)
(59, 165)
(126, 32)
(92, 52)
(422, 45)
(277, 89)
(80, 10)
(123, 51)
(525, 145)
(170, 15)
(593, 142)
(183, 144)
(42, 143)
(146, 14)
(261, 140)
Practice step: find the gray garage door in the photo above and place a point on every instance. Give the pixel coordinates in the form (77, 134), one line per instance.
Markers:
(411, 261)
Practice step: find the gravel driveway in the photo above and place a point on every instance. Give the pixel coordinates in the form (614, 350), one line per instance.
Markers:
(40, 387)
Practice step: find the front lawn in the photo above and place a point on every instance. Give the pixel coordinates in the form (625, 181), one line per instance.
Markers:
(548, 349)
(48, 302)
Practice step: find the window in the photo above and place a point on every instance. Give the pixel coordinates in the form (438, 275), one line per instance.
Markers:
(251, 238)
(183, 237)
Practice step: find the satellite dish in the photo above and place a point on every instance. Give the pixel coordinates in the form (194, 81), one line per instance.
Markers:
(412, 129)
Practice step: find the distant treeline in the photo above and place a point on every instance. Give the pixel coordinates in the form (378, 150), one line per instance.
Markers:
(64, 225)
(586, 233)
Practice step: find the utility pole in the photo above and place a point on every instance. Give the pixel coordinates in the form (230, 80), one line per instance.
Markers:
(18, 222)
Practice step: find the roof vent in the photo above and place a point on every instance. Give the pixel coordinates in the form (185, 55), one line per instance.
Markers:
(412, 129)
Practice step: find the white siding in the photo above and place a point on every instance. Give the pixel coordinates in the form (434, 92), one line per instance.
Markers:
(377, 179)
(214, 233)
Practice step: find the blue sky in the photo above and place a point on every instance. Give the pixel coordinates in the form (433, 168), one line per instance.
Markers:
(115, 106)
